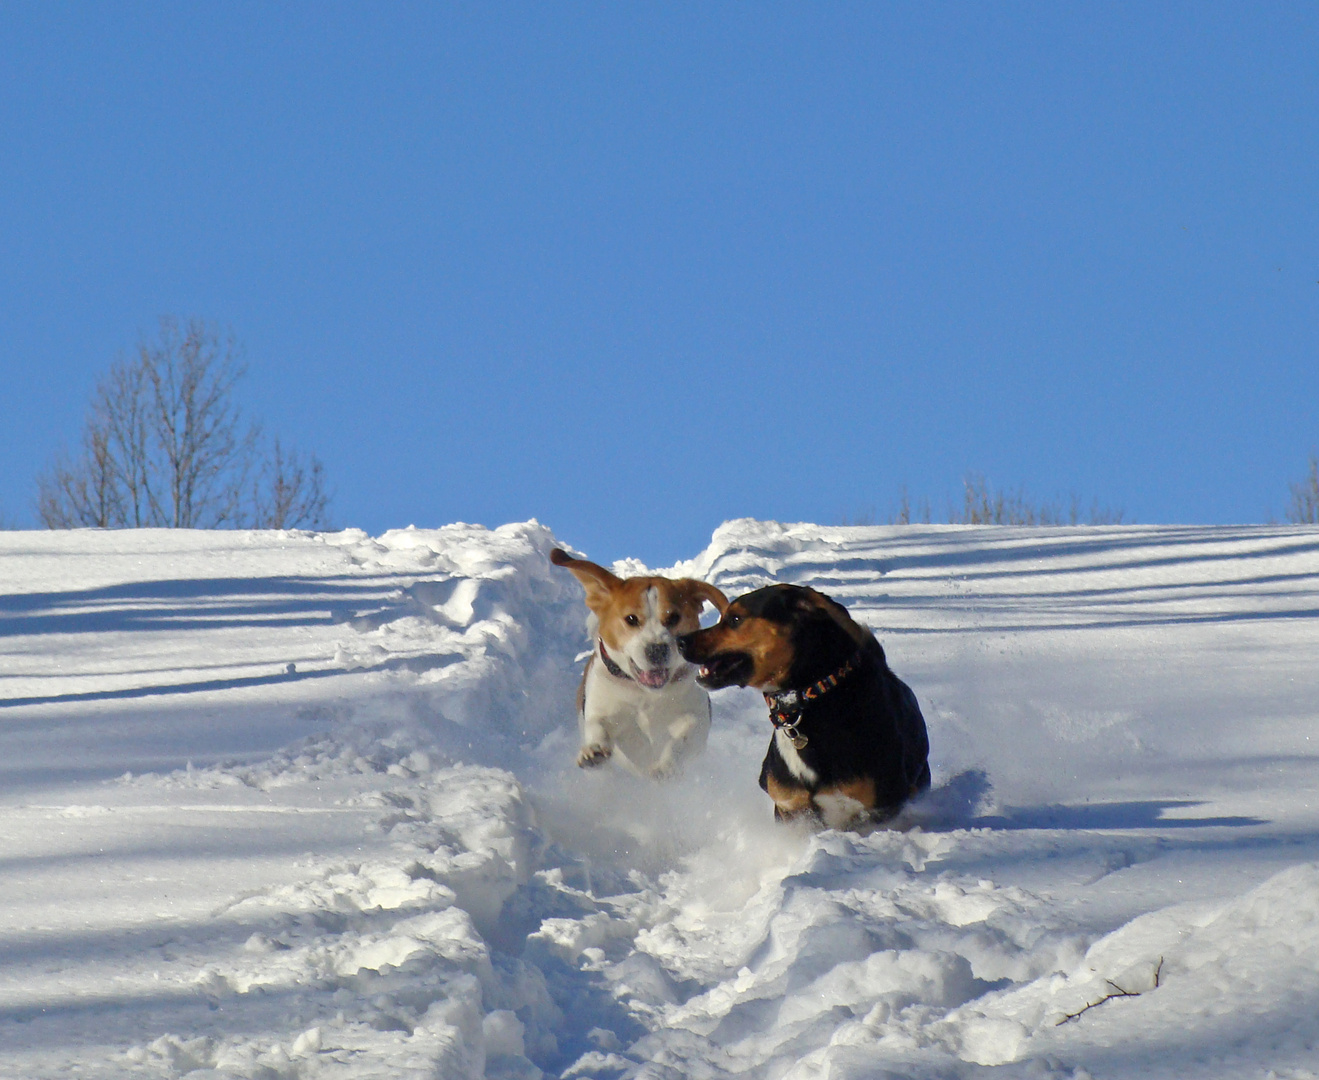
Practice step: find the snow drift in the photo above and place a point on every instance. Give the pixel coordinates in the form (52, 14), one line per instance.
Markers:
(295, 805)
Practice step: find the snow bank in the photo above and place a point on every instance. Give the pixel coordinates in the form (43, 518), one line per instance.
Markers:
(287, 805)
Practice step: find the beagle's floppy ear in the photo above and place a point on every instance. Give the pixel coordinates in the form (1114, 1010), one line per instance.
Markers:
(596, 580)
(702, 590)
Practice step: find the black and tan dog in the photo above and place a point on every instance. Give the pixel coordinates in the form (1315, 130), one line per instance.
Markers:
(849, 743)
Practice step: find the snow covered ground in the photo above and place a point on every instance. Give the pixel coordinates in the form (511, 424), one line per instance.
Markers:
(291, 805)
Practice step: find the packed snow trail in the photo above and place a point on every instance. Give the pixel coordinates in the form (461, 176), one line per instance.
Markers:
(288, 805)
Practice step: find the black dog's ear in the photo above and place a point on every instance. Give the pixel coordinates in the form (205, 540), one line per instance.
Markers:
(808, 602)
(816, 606)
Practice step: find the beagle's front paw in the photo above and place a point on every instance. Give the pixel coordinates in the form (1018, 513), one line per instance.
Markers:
(595, 754)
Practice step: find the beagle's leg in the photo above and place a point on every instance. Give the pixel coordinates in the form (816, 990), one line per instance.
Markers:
(597, 746)
(682, 743)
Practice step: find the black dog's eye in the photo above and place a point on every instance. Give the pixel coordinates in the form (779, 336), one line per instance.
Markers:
(632, 620)
(732, 619)
(672, 619)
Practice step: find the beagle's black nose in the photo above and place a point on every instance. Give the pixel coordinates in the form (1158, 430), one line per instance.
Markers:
(657, 653)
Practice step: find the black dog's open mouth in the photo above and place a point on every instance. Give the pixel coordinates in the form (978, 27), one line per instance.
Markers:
(724, 669)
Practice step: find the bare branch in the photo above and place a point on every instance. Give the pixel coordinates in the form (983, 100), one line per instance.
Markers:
(984, 505)
(1118, 992)
(290, 493)
(203, 457)
(84, 492)
(119, 421)
(1304, 509)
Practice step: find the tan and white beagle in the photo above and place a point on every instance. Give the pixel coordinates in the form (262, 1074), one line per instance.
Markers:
(638, 700)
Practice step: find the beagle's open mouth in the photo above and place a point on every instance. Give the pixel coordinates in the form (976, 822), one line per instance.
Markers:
(655, 678)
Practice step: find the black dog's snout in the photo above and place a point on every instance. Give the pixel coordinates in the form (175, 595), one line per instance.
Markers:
(657, 653)
(687, 646)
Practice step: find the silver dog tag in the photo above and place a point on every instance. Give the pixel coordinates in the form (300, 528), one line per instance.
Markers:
(795, 737)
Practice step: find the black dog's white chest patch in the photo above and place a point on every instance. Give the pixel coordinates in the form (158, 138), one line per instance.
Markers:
(792, 758)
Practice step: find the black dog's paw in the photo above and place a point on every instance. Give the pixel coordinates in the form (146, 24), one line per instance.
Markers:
(593, 755)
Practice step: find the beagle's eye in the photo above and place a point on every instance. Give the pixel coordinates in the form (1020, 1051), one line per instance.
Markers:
(672, 619)
(632, 620)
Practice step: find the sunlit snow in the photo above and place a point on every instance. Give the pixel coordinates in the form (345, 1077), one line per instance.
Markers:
(284, 805)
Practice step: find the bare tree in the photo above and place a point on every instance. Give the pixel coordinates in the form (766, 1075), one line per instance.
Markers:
(1304, 509)
(196, 476)
(165, 446)
(290, 492)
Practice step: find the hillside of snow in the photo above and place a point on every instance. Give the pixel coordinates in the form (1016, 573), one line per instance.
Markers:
(286, 805)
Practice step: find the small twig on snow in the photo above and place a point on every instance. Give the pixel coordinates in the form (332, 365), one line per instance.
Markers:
(1118, 992)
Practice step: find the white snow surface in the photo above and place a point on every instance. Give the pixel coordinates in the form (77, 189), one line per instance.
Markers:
(297, 805)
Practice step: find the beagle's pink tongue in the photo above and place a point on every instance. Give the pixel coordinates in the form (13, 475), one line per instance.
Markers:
(654, 679)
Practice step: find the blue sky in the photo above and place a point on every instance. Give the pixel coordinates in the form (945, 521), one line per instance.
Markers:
(634, 269)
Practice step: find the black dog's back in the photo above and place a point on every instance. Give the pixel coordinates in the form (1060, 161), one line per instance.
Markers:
(868, 727)
(915, 739)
